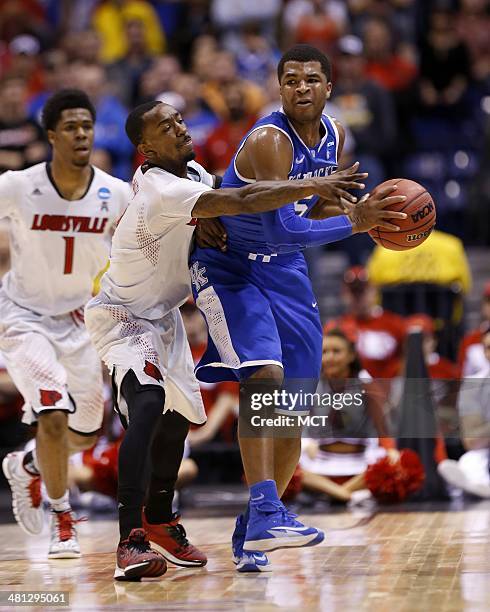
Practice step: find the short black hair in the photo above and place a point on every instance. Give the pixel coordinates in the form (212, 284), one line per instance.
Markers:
(305, 53)
(63, 100)
(134, 122)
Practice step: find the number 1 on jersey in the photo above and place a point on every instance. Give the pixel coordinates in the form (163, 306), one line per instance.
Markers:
(69, 250)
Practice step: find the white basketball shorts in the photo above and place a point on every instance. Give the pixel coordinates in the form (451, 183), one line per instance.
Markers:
(53, 365)
(157, 351)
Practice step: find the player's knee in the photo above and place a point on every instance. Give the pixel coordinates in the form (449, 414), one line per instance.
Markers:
(271, 374)
(173, 427)
(53, 424)
(146, 407)
(145, 403)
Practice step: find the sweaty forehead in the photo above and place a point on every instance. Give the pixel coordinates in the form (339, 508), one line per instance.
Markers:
(302, 68)
(75, 114)
(155, 116)
(159, 113)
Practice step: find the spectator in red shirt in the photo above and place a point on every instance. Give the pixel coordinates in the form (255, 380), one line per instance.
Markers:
(380, 333)
(384, 65)
(471, 358)
(225, 138)
(315, 22)
(438, 367)
(23, 61)
(23, 17)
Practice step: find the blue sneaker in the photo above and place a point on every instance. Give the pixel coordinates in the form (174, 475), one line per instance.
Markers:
(271, 526)
(250, 561)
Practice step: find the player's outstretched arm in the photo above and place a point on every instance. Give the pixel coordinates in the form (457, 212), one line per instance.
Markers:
(266, 158)
(285, 231)
(258, 197)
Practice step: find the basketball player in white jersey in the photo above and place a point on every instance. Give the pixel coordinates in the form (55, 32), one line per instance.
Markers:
(61, 214)
(137, 328)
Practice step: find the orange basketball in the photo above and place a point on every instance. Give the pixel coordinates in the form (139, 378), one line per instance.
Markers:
(421, 219)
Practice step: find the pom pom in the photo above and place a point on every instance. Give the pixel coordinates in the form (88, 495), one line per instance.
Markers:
(392, 482)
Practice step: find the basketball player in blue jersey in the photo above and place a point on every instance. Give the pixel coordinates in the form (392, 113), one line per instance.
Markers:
(257, 299)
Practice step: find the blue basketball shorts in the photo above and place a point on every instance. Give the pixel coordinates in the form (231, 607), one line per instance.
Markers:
(259, 310)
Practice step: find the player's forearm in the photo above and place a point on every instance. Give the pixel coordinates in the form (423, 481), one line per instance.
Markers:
(285, 231)
(255, 198)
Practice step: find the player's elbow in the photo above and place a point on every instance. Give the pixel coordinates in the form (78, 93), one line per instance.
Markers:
(203, 210)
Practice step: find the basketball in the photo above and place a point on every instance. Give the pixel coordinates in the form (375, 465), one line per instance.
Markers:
(421, 219)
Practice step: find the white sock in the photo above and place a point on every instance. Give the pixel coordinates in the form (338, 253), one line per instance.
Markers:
(60, 505)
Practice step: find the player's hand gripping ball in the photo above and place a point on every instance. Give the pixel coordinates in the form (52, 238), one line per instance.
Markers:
(421, 217)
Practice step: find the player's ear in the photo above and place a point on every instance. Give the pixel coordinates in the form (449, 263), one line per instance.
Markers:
(51, 135)
(329, 90)
(145, 150)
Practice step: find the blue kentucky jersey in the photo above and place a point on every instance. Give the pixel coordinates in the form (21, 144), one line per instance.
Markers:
(245, 232)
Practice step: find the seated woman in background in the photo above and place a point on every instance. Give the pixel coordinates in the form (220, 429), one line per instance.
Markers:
(335, 463)
(471, 472)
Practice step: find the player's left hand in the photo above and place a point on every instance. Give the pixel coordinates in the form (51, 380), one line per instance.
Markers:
(210, 233)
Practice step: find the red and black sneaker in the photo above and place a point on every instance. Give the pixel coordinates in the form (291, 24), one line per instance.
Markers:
(171, 540)
(136, 559)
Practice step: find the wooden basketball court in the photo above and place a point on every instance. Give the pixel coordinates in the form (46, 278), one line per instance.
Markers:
(393, 561)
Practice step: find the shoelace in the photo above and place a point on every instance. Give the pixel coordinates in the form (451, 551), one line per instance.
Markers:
(287, 517)
(177, 532)
(138, 543)
(65, 525)
(34, 489)
(290, 517)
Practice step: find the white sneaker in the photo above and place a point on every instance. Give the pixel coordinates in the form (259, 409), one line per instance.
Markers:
(362, 497)
(64, 540)
(26, 494)
(453, 474)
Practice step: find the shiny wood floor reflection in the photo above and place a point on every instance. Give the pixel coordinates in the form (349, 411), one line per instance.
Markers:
(404, 562)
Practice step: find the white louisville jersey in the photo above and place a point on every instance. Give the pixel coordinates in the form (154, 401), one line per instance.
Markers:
(57, 246)
(148, 271)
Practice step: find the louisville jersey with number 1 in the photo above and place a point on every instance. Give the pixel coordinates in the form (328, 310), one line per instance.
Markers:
(57, 246)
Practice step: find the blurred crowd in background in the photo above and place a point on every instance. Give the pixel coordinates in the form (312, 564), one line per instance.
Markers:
(411, 81)
(411, 85)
